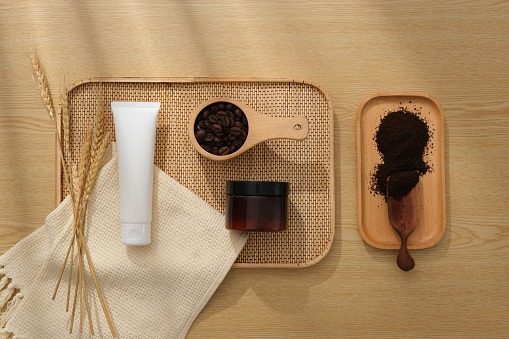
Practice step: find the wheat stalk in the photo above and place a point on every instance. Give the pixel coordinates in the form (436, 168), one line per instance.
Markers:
(83, 179)
(70, 278)
(81, 309)
(76, 288)
(42, 84)
(80, 178)
(81, 276)
(90, 181)
(66, 123)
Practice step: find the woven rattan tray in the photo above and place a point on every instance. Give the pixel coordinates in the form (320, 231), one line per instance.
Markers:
(308, 165)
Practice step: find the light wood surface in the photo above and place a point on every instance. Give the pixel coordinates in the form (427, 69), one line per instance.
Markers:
(374, 224)
(455, 51)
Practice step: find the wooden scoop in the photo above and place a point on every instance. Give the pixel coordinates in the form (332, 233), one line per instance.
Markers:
(403, 213)
(261, 128)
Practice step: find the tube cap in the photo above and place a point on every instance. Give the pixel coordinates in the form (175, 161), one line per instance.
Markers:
(265, 188)
(136, 233)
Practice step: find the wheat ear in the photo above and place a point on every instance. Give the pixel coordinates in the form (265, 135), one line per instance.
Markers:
(41, 82)
(100, 117)
(94, 168)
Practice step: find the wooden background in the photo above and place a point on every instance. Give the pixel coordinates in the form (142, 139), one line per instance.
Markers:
(456, 51)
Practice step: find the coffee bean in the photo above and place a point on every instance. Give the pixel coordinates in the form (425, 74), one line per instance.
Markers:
(221, 128)
(209, 137)
(238, 113)
(216, 128)
(243, 135)
(200, 134)
(235, 131)
(224, 150)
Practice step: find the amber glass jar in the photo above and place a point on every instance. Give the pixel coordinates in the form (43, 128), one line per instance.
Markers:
(257, 206)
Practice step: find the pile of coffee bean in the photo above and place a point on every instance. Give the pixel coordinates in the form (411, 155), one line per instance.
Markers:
(221, 128)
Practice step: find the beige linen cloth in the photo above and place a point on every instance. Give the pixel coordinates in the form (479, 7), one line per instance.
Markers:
(153, 291)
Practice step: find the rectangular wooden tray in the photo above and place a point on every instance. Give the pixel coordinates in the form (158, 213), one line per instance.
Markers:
(308, 165)
(374, 224)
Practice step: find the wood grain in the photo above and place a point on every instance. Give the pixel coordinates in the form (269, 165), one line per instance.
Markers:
(454, 50)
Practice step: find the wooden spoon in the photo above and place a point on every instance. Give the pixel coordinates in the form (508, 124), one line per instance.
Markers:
(262, 127)
(403, 215)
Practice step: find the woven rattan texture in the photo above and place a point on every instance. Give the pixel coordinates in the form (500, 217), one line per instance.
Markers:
(305, 164)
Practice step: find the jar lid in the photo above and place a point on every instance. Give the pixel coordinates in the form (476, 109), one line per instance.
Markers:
(246, 188)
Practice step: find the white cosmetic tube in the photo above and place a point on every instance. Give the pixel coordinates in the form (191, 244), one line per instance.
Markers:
(135, 131)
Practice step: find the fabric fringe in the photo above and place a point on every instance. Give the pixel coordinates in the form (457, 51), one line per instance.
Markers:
(5, 295)
(11, 307)
(3, 281)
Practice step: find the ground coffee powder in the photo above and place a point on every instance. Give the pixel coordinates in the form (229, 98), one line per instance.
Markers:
(402, 141)
(400, 184)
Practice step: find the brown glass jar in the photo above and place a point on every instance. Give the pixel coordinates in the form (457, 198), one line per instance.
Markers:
(256, 206)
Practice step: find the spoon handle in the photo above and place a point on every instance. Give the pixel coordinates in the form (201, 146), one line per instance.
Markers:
(263, 128)
(405, 260)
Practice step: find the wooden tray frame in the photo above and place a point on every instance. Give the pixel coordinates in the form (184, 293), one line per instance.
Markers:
(331, 192)
(432, 219)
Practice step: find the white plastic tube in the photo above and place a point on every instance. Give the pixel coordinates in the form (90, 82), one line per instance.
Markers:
(135, 130)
